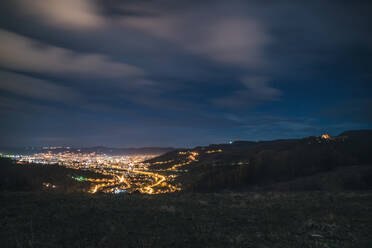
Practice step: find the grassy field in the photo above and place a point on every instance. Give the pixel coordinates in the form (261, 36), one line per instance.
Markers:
(313, 219)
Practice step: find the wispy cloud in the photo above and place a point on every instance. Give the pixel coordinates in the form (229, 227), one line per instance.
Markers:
(37, 89)
(254, 90)
(146, 67)
(24, 54)
(234, 40)
(72, 14)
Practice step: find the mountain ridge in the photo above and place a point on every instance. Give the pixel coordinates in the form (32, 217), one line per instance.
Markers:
(247, 164)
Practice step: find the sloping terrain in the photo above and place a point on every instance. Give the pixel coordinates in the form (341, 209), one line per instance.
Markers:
(339, 179)
(38, 177)
(272, 220)
(259, 164)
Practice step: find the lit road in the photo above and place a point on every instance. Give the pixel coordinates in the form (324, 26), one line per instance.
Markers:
(120, 173)
(160, 184)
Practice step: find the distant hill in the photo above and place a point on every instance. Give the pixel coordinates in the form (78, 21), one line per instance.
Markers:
(247, 165)
(123, 151)
(96, 149)
(357, 133)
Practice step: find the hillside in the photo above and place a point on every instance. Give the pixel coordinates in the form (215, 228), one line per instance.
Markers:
(256, 165)
(38, 177)
(256, 220)
(311, 192)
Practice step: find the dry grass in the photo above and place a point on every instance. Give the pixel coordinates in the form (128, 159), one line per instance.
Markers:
(187, 220)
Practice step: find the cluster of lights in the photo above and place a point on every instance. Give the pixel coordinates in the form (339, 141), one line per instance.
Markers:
(121, 173)
(49, 186)
(325, 136)
(213, 151)
(162, 162)
(190, 158)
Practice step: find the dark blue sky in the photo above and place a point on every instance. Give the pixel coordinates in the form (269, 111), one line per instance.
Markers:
(182, 73)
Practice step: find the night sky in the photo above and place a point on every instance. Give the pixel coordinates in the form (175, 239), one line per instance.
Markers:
(182, 73)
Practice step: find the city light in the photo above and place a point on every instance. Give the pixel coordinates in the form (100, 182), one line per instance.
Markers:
(117, 174)
(120, 174)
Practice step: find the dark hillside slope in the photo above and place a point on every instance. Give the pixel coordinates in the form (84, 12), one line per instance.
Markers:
(257, 164)
(339, 179)
(36, 177)
(275, 220)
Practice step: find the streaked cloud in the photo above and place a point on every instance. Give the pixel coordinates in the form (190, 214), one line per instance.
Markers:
(234, 40)
(71, 14)
(200, 68)
(38, 89)
(21, 53)
(255, 90)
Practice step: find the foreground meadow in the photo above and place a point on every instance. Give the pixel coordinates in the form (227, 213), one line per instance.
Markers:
(312, 219)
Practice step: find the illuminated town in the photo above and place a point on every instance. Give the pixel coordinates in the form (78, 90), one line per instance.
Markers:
(120, 174)
(127, 173)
